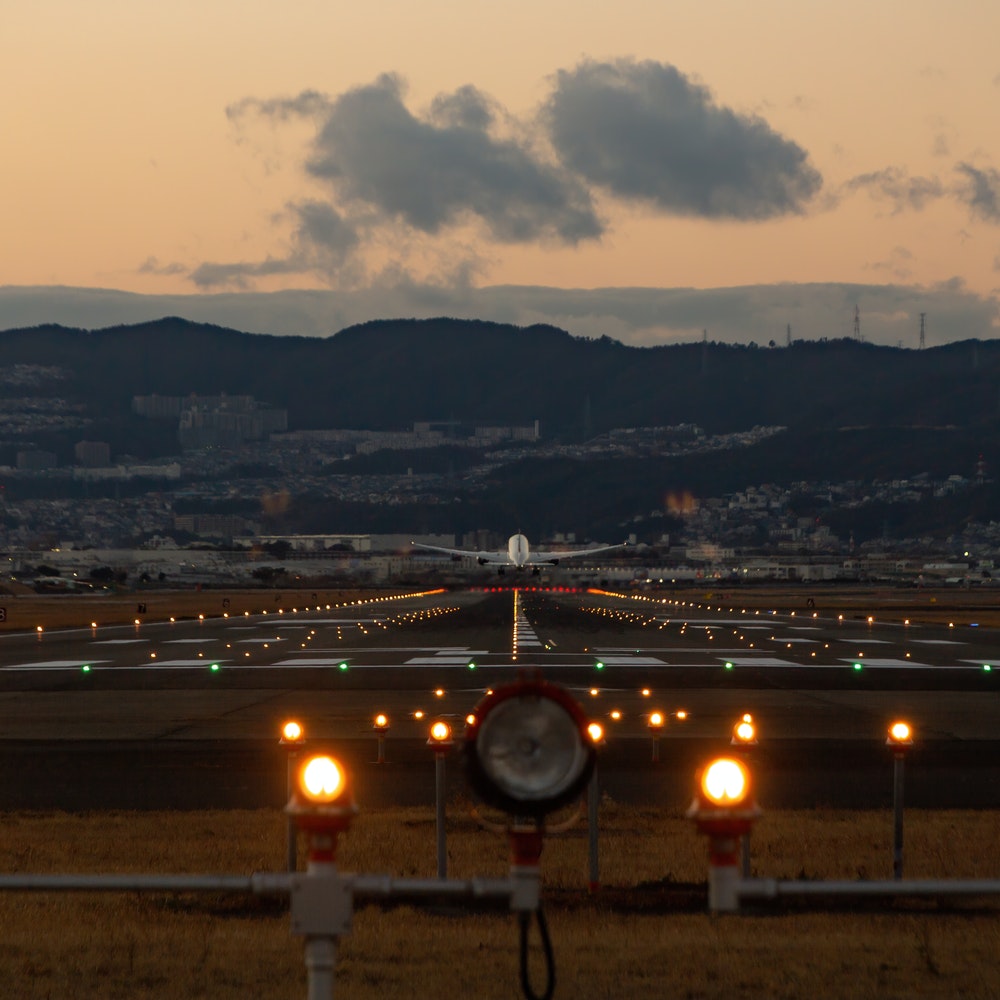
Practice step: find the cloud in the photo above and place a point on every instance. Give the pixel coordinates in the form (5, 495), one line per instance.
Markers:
(445, 168)
(322, 243)
(152, 266)
(306, 104)
(645, 132)
(897, 187)
(980, 190)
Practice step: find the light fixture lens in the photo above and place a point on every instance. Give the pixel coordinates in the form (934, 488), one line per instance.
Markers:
(725, 782)
(900, 732)
(533, 754)
(292, 732)
(321, 779)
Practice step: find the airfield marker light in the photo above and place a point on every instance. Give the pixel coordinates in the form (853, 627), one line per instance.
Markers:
(529, 751)
(39, 629)
(900, 739)
(472, 664)
(655, 724)
(594, 692)
(214, 668)
(724, 810)
(681, 714)
(857, 666)
(418, 714)
(599, 665)
(596, 733)
(729, 664)
(322, 805)
(744, 734)
(987, 667)
(93, 624)
(440, 741)
(381, 726)
(342, 665)
(85, 669)
(645, 692)
(615, 714)
(439, 693)
(293, 737)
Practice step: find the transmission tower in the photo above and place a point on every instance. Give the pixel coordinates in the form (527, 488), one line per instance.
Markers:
(857, 323)
(923, 316)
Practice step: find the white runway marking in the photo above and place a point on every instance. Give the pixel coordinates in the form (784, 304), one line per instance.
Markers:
(939, 642)
(54, 665)
(896, 664)
(130, 642)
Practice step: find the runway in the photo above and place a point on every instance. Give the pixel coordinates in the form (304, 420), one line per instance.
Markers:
(186, 713)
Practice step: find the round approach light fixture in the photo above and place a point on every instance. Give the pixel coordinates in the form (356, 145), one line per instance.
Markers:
(900, 735)
(321, 781)
(292, 732)
(528, 750)
(725, 783)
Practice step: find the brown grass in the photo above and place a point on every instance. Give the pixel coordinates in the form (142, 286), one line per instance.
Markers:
(644, 935)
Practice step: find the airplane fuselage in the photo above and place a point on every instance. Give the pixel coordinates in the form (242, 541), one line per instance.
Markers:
(518, 550)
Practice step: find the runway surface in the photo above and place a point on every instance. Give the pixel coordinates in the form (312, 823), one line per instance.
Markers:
(186, 714)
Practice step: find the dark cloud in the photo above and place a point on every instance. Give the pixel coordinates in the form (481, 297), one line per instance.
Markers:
(897, 187)
(644, 131)
(432, 172)
(322, 243)
(980, 190)
(152, 266)
(303, 105)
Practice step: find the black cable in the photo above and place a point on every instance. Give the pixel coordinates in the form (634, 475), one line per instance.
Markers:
(524, 920)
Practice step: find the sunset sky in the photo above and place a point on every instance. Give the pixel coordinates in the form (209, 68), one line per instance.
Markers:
(647, 170)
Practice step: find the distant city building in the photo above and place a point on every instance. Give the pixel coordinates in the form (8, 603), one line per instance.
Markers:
(36, 460)
(214, 421)
(92, 454)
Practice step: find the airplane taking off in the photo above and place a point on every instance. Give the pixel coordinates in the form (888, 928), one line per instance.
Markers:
(518, 554)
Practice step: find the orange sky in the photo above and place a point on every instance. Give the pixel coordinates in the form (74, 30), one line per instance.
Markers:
(123, 171)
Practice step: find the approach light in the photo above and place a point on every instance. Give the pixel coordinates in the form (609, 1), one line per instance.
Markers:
(681, 714)
(321, 780)
(645, 692)
(656, 720)
(440, 735)
(900, 735)
(744, 733)
(596, 732)
(381, 723)
(615, 714)
(292, 732)
(528, 750)
(725, 783)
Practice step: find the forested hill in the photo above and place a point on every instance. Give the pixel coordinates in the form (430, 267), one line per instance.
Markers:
(387, 374)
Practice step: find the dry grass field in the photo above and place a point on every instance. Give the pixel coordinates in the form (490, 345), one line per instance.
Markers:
(645, 934)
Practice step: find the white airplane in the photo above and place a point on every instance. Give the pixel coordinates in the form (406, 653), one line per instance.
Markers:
(518, 554)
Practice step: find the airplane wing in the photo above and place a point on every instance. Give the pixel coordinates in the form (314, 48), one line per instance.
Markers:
(483, 558)
(554, 557)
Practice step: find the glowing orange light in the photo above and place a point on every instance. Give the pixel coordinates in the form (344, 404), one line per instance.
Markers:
(381, 721)
(655, 720)
(596, 732)
(292, 732)
(440, 732)
(681, 714)
(900, 732)
(321, 779)
(725, 782)
(615, 714)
